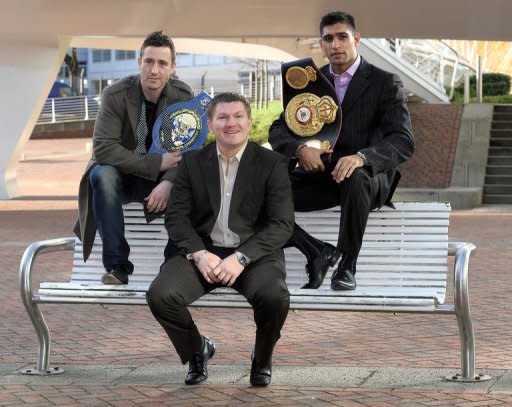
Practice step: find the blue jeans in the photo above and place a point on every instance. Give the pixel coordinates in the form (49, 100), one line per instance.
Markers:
(110, 190)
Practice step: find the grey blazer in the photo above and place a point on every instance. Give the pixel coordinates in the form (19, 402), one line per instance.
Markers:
(114, 142)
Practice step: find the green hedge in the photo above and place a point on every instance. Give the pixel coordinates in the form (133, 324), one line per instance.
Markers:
(493, 84)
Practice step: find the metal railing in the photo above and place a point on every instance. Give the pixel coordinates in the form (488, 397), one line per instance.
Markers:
(435, 58)
(78, 108)
(71, 108)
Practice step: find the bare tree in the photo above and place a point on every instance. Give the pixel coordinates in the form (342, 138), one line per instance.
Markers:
(71, 61)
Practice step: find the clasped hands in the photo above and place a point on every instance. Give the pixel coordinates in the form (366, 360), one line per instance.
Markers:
(310, 160)
(217, 270)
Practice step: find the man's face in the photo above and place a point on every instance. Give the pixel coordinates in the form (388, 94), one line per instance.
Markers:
(339, 44)
(230, 124)
(156, 68)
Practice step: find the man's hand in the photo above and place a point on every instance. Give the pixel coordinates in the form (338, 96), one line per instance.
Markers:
(346, 166)
(170, 160)
(206, 262)
(228, 270)
(309, 158)
(157, 200)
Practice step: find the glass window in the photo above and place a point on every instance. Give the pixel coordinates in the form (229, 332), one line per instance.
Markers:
(101, 55)
(96, 55)
(122, 55)
(107, 55)
(184, 59)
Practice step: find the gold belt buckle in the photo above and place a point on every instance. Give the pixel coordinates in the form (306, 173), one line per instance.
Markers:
(306, 113)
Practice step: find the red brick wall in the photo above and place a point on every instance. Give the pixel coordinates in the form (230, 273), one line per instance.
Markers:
(80, 133)
(436, 130)
(76, 129)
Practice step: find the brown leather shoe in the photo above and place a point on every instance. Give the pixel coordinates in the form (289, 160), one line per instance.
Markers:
(117, 276)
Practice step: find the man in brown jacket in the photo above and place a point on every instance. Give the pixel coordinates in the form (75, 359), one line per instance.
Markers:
(121, 169)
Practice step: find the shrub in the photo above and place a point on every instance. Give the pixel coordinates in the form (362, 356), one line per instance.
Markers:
(493, 84)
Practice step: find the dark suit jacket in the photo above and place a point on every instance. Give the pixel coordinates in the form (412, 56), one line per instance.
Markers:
(261, 210)
(115, 140)
(375, 121)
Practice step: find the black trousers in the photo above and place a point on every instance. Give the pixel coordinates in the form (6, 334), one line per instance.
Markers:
(356, 195)
(180, 283)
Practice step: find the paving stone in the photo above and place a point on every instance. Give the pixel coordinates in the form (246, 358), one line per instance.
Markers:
(118, 355)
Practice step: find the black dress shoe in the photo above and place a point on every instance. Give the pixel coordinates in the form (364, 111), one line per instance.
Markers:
(317, 268)
(343, 279)
(261, 375)
(198, 366)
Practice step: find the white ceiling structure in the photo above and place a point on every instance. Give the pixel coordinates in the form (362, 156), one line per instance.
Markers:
(35, 34)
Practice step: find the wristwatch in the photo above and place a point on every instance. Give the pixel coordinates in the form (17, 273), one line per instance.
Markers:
(242, 258)
(360, 154)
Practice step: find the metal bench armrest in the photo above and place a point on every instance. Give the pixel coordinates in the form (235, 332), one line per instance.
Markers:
(29, 256)
(26, 291)
(462, 252)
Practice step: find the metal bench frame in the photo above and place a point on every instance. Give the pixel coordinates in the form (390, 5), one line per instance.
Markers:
(85, 288)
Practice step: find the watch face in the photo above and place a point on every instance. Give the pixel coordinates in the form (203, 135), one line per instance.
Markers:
(241, 259)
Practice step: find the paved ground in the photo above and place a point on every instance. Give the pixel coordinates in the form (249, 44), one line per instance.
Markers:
(119, 356)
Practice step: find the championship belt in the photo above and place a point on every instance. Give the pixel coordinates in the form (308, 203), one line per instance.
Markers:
(310, 104)
(181, 126)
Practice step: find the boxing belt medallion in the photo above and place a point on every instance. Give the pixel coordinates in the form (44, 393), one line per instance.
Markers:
(310, 104)
(181, 126)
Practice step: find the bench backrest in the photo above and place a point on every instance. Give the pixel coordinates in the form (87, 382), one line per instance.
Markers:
(402, 247)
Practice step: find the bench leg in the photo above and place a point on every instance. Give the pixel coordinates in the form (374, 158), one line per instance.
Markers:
(43, 333)
(463, 314)
(43, 336)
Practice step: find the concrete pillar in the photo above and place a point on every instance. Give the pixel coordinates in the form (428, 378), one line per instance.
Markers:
(27, 72)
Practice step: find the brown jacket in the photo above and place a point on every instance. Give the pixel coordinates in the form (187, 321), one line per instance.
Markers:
(114, 142)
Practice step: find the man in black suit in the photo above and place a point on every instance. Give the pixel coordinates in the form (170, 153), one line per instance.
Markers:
(230, 214)
(360, 171)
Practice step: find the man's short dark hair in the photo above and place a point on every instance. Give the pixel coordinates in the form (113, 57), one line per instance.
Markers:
(335, 17)
(228, 97)
(159, 39)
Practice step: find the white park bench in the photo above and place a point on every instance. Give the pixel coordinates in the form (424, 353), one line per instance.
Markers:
(402, 267)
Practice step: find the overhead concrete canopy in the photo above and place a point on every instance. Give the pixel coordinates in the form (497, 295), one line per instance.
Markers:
(42, 20)
(34, 36)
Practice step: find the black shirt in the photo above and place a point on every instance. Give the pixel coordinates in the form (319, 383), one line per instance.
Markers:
(150, 120)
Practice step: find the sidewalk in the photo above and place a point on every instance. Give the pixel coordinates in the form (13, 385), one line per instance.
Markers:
(120, 356)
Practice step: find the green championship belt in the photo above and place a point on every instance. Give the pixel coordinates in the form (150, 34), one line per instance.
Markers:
(310, 104)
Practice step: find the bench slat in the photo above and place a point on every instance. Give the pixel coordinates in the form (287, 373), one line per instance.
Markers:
(140, 300)
(97, 290)
(404, 251)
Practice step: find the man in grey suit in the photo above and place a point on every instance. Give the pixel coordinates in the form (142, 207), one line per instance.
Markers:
(121, 169)
(360, 171)
(230, 214)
